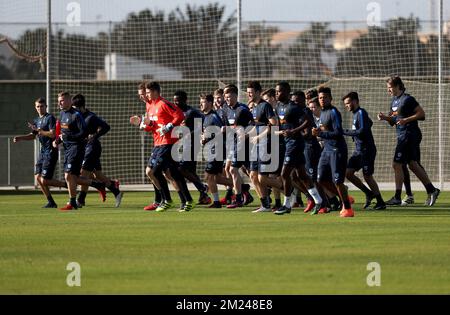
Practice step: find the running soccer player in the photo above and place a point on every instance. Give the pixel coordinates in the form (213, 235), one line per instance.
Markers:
(44, 127)
(365, 151)
(213, 150)
(73, 136)
(91, 166)
(143, 98)
(239, 117)
(333, 160)
(193, 119)
(221, 108)
(263, 117)
(161, 118)
(290, 115)
(406, 112)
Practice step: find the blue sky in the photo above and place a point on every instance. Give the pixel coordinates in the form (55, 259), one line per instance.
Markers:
(252, 10)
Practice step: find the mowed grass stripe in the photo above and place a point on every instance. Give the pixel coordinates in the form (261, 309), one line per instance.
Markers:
(220, 251)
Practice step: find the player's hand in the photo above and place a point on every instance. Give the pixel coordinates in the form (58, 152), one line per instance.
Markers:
(135, 120)
(16, 139)
(165, 129)
(382, 116)
(402, 122)
(315, 132)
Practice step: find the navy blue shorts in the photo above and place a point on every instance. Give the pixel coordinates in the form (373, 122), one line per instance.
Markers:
(312, 154)
(190, 166)
(364, 160)
(408, 149)
(73, 158)
(214, 167)
(239, 161)
(293, 155)
(161, 158)
(46, 164)
(332, 166)
(91, 159)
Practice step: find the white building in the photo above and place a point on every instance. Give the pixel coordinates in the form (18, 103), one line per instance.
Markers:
(118, 67)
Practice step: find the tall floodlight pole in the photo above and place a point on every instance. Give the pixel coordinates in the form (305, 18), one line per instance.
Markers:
(441, 143)
(238, 43)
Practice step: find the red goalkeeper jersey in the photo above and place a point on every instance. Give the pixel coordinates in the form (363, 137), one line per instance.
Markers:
(161, 112)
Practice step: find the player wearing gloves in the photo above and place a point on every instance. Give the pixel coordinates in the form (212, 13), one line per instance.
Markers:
(162, 116)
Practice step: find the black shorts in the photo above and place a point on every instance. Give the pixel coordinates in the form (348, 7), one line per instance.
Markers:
(312, 154)
(214, 167)
(364, 160)
(293, 155)
(91, 159)
(332, 165)
(73, 158)
(46, 164)
(408, 148)
(161, 158)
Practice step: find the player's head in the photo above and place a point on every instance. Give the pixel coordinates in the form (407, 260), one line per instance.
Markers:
(325, 96)
(268, 95)
(254, 91)
(230, 93)
(218, 98)
(79, 102)
(206, 102)
(64, 100)
(141, 92)
(314, 106)
(351, 101)
(180, 98)
(152, 90)
(395, 85)
(41, 106)
(310, 94)
(282, 91)
(298, 97)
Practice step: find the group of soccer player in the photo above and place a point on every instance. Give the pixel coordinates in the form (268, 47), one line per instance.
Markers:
(290, 143)
(284, 142)
(79, 130)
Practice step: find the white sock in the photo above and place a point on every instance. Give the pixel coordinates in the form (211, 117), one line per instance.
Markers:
(287, 201)
(216, 196)
(315, 195)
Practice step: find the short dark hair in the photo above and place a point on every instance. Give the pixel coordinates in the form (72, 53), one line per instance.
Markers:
(311, 93)
(231, 88)
(64, 94)
(153, 86)
(78, 101)
(41, 100)
(325, 90)
(395, 80)
(182, 95)
(285, 86)
(208, 97)
(269, 92)
(351, 95)
(218, 92)
(299, 93)
(141, 86)
(254, 85)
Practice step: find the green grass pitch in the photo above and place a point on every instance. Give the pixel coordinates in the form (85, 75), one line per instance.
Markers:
(220, 251)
